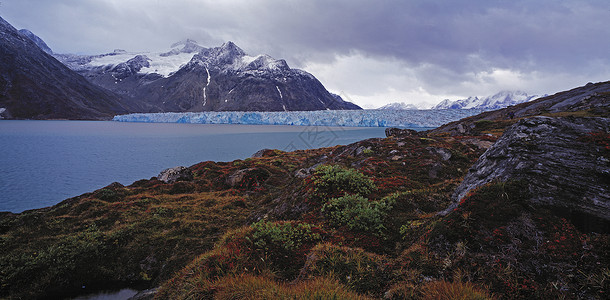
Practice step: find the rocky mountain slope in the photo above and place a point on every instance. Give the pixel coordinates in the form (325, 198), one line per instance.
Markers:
(564, 162)
(34, 85)
(466, 214)
(192, 78)
(497, 101)
(37, 40)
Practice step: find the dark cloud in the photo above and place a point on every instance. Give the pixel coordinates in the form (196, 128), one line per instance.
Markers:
(443, 47)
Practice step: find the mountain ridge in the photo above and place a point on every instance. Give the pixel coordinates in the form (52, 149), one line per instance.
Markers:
(34, 85)
(196, 79)
(499, 100)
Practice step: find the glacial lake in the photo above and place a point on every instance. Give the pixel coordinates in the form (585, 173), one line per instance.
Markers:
(45, 162)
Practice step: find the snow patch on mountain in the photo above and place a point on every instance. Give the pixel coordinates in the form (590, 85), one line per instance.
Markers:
(162, 65)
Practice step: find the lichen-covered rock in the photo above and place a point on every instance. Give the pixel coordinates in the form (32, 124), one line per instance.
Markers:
(174, 174)
(564, 161)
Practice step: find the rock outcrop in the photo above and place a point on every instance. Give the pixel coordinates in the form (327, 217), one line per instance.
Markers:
(564, 161)
(174, 174)
(400, 132)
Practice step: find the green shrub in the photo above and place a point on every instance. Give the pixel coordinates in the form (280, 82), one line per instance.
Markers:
(358, 213)
(286, 235)
(336, 181)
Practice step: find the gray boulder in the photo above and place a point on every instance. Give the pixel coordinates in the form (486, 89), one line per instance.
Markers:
(174, 174)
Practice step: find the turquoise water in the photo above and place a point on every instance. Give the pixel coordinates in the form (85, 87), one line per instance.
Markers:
(45, 162)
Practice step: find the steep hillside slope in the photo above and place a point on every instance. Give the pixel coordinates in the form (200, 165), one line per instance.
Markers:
(34, 85)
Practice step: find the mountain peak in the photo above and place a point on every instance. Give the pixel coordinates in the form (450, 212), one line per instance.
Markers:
(184, 43)
(230, 48)
(188, 46)
(399, 106)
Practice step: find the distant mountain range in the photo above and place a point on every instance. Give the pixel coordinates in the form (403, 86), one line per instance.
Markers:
(186, 78)
(497, 101)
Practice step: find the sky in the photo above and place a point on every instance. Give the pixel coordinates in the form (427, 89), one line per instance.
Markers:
(369, 52)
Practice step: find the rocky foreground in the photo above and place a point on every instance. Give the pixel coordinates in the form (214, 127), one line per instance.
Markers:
(486, 207)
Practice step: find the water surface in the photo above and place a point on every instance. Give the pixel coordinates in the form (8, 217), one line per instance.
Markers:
(45, 162)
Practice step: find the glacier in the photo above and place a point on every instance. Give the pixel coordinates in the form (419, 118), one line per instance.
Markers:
(429, 118)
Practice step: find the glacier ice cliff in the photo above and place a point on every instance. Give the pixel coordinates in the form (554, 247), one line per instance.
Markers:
(351, 118)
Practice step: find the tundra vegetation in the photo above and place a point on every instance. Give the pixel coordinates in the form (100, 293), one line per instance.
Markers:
(329, 223)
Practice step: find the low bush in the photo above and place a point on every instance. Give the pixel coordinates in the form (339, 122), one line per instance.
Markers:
(286, 235)
(358, 213)
(336, 181)
(284, 245)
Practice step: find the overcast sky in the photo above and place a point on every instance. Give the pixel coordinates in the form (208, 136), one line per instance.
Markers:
(370, 52)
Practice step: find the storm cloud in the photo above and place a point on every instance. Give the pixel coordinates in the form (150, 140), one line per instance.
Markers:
(372, 52)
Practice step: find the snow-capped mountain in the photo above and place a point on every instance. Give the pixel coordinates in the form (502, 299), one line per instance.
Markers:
(497, 101)
(34, 85)
(193, 78)
(399, 106)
